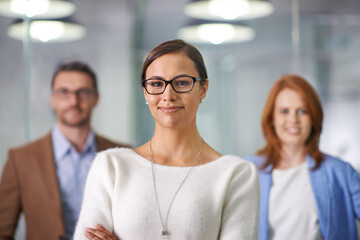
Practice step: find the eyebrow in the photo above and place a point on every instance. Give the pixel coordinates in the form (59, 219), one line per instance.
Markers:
(161, 78)
(282, 107)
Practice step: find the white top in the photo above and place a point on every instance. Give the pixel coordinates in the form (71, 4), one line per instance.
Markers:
(292, 203)
(219, 200)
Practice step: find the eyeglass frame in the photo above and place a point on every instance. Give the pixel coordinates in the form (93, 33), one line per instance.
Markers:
(89, 92)
(195, 79)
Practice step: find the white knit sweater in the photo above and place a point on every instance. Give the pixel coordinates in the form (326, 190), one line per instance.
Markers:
(219, 200)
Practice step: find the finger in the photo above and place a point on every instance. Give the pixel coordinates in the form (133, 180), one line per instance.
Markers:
(105, 230)
(90, 235)
(94, 234)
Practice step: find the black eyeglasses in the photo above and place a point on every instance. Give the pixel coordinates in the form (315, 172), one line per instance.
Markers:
(180, 84)
(83, 93)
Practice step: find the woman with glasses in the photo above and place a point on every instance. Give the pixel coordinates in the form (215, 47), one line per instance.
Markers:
(175, 186)
(305, 194)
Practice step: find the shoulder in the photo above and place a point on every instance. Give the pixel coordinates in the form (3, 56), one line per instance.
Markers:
(338, 174)
(110, 163)
(336, 165)
(115, 156)
(33, 148)
(334, 162)
(239, 167)
(236, 161)
(242, 175)
(256, 159)
(105, 143)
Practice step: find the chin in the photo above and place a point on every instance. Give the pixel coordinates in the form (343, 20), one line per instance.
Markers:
(75, 123)
(294, 143)
(170, 124)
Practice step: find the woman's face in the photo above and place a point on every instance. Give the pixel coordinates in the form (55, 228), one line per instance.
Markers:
(292, 121)
(172, 109)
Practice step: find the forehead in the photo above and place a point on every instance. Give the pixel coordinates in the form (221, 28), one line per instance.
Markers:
(289, 97)
(72, 80)
(171, 64)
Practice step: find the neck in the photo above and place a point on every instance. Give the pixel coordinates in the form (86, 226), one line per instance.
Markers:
(77, 136)
(176, 147)
(292, 156)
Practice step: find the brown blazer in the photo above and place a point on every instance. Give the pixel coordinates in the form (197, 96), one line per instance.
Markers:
(29, 184)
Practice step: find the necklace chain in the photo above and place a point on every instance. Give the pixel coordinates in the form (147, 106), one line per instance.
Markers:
(164, 221)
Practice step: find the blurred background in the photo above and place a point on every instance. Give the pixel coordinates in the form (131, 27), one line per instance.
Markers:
(319, 40)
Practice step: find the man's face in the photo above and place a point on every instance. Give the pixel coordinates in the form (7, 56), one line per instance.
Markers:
(73, 98)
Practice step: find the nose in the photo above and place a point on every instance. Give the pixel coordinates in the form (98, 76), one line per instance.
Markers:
(73, 98)
(293, 116)
(169, 93)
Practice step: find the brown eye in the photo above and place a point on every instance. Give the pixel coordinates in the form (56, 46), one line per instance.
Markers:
(183, 82)
(156, 83)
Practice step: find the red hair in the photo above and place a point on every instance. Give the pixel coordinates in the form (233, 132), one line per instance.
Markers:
(272, 149)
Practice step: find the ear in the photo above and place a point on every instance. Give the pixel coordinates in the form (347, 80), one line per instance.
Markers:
(96, 100)
(145, 94)
(204, 89)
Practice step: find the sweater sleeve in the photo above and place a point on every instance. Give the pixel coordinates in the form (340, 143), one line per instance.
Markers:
(241, 208)
(97, 200)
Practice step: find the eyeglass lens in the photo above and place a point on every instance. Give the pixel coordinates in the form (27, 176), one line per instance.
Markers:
(81, 93)
(181, 84)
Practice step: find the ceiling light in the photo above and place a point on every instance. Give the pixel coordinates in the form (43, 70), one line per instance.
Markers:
(228, 9)
(216, 33)
(49, 31)
(36, 8)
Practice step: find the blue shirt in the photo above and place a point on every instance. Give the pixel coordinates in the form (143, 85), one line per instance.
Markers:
(336, 188)
(72, 169)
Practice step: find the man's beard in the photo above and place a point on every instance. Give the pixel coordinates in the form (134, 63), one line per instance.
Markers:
(81, 123)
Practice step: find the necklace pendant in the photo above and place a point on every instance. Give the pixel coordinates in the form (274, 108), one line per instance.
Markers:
(163, 232)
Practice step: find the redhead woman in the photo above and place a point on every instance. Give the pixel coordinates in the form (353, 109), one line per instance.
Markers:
(305, 194)
(175, 186)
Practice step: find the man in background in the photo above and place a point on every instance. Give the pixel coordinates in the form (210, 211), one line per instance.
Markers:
(45, 178)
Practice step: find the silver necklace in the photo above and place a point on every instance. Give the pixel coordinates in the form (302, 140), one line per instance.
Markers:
(164, 221)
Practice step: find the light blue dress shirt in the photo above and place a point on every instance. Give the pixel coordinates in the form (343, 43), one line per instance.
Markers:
(72, 169)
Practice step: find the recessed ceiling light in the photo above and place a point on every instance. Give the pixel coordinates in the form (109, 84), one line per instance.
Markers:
(48, 31)
(216, 33)
(228, 9)
(36, 8)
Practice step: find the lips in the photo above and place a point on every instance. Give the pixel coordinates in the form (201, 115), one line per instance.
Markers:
(73, 110)
(171, 109)
(293, 130)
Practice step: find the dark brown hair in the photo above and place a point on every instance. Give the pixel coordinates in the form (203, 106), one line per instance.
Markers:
(272, 149)
(174, 46)
(76, 66)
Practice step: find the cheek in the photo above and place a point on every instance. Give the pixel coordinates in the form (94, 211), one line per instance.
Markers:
(278, 123)
(308, 125)
(56, 105)
(92, 103)
(152, 99)
(278, 120)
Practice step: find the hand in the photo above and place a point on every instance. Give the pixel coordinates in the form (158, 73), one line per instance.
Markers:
(99, 233)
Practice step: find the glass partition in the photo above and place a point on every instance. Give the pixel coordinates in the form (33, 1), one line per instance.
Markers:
(120, 33)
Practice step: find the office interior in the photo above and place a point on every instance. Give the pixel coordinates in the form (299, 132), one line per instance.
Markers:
(319, 40)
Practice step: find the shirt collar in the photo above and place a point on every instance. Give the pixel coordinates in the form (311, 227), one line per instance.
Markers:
(62, 145)
(310, 161)
(90, 144)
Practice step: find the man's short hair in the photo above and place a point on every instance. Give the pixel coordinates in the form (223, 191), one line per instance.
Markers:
(76, 66)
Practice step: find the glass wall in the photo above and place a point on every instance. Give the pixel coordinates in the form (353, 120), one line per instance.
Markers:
(241, 74)
(120, 33)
